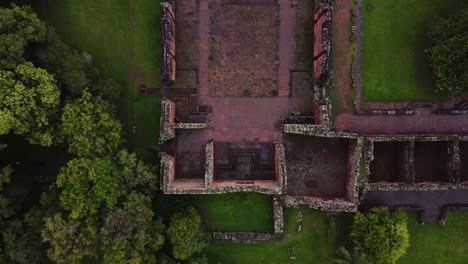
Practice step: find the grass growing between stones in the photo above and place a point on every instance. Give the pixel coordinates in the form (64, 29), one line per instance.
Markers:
(236, 212)
(315, 243)
(439, 244)
(124, 39)
(395, 67)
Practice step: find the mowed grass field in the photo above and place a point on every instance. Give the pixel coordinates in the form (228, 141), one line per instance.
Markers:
(439, 244)
(124, 39)
(236, 212)
(395, 67)
(315, 243)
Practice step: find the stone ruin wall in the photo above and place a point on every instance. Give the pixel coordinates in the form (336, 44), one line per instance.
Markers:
(316, 130)
(167, 122)
(167, 170)
(251, 237)
(168, 41)
(410, 183)
(209, 164)
(332, 205)
(322, 62)
(210, 186)
(278, 216)
(280, 164)
(167, 130)
(354, 162)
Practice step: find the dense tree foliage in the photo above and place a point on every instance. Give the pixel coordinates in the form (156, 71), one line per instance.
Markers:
(68, 65)
(89, 127)
(186, 234)
(381, 235)
(88, 184)
(449, 52)
(70, 240)
(19, 26)
(100, 208)
(22, 239)
(130, 235)
(72, 69)
(29, 101)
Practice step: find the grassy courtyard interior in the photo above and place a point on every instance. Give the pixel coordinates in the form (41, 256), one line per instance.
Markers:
(322, 234)
(236, 212)
(315, 243)
(395, 66)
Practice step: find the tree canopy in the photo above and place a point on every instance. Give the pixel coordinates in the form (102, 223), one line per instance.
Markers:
(381, 235)
(29, 101)
(186, 234)
(19, 26)
(449, 52)
(70, 240)
(87, 184)
(129, 233)
(89, 127)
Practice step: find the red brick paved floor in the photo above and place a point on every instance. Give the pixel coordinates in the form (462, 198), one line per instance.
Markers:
(250, 118)
(286, 46)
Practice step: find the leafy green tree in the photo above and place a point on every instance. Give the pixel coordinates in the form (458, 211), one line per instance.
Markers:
(381, 235)
(5, 175)
(19, 26)
(90, 127)
(72, 69)
(22, 239)
(130, 235)
(449, 52)
(68, 65)
(89, 184)
(5, 209)
(29, 102)
(70, 240)
(186, 234)
(138, 175)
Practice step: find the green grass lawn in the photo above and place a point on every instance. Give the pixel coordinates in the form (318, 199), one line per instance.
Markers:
(395, 36)
(439, 244)
(316, 243)
(236, 212)
(124, 40)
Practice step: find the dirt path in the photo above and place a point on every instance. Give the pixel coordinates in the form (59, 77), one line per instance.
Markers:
(342, 51)
(431, 202)
(424, 122)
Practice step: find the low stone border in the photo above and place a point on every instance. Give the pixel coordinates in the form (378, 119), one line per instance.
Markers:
(422, 187)
(252, 237)
(278, 216)
(244, 237)
(168, 125)
(332, 205)
(168, 41)
(316, 130)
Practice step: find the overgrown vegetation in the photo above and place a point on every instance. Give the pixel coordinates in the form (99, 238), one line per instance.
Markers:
(380, 235)
(395, 66)
(449, 52)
